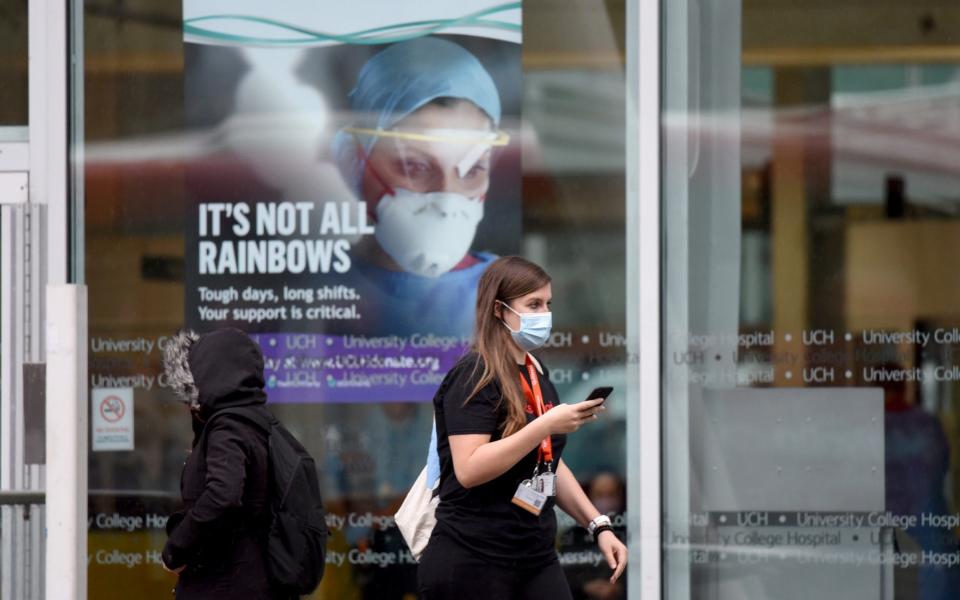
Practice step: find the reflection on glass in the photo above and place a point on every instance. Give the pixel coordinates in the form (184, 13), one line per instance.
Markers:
(169, 124)
(810, 397)
(13, 64)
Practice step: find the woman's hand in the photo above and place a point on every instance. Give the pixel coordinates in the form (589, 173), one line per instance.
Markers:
(614, 551)
(567, 418)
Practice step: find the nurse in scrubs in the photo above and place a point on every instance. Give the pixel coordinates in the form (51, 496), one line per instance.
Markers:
(419, 154)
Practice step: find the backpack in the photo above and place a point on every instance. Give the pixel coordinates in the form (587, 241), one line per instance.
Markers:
(296, 541)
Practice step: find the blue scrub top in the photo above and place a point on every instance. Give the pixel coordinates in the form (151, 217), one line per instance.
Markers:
(400, 303)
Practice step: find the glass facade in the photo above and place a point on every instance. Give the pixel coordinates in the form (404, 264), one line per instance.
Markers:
(809, 197)
(810, 190)
(557, 196)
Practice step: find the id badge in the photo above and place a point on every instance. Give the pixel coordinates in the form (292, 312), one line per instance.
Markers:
(546, 484)
(529, 499)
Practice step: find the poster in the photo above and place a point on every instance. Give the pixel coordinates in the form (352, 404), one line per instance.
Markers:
(359, 167)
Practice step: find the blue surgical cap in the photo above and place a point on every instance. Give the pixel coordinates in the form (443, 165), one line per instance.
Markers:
(404, 77)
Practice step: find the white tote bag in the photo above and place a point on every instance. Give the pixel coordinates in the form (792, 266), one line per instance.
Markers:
(416, 517)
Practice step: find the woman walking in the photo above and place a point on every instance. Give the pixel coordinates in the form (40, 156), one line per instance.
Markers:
(501, 430)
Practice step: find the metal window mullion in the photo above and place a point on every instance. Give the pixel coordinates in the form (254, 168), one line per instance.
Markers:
(7, 337)
(11, 392)
(680, 154)
(644, 297)
(37, 529)
(77, 102)
(66, 470)
(650, 299)
(35, 269)
(44, 240)
(49, 106)
(26, 292)
(15, 307)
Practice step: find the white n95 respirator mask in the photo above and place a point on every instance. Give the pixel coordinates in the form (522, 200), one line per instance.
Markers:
(427, 234)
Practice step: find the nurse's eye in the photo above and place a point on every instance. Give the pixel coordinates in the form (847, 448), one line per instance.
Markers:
(416, 169)
(475, 172)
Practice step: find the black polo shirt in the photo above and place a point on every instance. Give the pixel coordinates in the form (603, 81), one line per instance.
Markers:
(483, 518)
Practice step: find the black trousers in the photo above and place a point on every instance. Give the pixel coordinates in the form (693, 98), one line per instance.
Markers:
(449, 571)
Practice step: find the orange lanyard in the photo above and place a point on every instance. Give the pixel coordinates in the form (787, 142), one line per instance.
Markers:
(535, 400)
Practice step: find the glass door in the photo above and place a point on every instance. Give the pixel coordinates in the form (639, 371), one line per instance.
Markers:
(180, 113)
(810, 205)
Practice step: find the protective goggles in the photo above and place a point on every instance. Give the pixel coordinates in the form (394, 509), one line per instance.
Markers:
(430, 160)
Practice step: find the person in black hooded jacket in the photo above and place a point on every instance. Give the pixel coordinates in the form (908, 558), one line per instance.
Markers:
(216, 543)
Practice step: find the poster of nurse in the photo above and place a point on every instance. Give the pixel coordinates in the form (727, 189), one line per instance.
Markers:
(355, 171)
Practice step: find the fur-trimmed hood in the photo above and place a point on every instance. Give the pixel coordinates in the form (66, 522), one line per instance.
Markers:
(220, 369)
(176, 366)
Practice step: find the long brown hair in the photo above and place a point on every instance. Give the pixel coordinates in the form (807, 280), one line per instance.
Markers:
(505, 279)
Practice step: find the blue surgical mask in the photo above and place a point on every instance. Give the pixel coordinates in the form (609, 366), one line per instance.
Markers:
(534, 328)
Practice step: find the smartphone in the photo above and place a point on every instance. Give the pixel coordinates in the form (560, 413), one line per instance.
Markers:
(600, 393)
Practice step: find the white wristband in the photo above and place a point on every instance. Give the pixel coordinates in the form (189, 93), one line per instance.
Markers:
(601, 520)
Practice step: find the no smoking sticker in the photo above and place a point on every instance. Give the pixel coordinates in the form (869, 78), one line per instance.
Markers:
(112, 422)
(112, 408)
